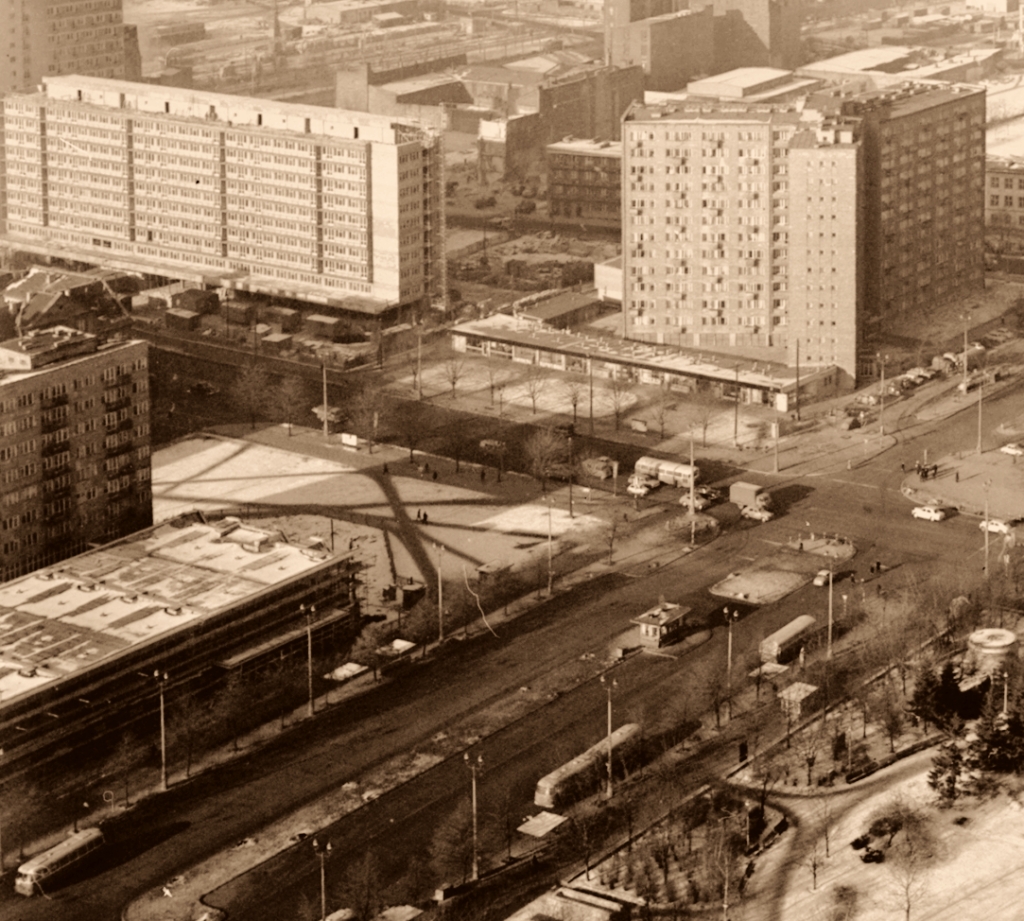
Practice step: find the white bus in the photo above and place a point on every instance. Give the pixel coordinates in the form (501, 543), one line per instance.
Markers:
(42, 868)
(579, 777)
(671, 472)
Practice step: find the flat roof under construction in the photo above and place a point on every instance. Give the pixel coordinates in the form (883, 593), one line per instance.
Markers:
(72, 616)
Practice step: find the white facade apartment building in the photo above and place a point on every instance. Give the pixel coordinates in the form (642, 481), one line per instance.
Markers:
(721, 251)
(48, 37)
(308, 202)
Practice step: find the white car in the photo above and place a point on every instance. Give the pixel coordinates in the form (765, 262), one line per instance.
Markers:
(638, 489)
(995, 526)
(757, 514)
(928, 512)
(1015, 449)
(821, 577)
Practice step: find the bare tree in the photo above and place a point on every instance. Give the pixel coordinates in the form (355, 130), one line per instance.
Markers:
(543, 450)
(534, 381)
(661, 410)
(911, 850)
(366, 649)
(610, 538)
(126, 757)
(20, 805)
(497, 376)
(575, 389)
(360, 889)
(250, 391)
(451, 848)
(366, 410)
(889, 707)
(292, 400)
(620, 391)
(704, 404)
(814, 861)
(411, 425)
(188, 726)
(454, 371)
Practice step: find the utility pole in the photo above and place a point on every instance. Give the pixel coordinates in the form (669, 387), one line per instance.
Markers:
(590, 368)
(323, 367)
(881, 397)
(473, 765)
(551, 575)
(981, 388)
(736, 413)
(309, 613)
(608, 685)
(570, 476)
(988, 483)
(161, 678)
(440, 596)
(730, 617)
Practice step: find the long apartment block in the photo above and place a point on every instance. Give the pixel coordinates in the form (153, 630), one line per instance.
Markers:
(319, 204)
(75, 452)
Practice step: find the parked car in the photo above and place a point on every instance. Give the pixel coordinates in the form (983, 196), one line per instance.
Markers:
(637, 489)
(995, 526)
(710, 493)
(928, 512)
(821, 577)
(873, 855)
(699, 502)
(1013, 448)
(756, 514)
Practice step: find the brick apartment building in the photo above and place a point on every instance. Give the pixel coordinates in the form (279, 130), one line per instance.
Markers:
(342, 208)
(75, 452)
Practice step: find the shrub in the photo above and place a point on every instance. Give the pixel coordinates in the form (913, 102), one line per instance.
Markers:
(487, 201)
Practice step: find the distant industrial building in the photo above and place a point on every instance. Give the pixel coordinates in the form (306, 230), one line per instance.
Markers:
(675, 41)
(75, 453)
(792, 231)
(340, 208)
(43, 39)
(79, 640)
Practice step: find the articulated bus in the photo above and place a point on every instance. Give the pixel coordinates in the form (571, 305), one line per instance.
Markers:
(41, 869)
(581, 776)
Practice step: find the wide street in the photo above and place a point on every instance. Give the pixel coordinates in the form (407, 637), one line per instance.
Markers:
(170, 832)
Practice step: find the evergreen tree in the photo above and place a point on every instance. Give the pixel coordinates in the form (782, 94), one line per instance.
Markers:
(947, 775)
(999, 745)
(923, 700)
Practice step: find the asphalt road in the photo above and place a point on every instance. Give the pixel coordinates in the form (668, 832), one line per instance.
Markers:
(172, 831)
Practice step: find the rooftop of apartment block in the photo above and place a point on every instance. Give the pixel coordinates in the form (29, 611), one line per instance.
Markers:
(223, 108)
(590, 147)
(913, 96)
(70, 616)
(1004, 162)
(690, 110)
(43, 347)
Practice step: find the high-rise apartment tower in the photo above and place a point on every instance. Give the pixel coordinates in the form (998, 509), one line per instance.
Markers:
(75, 451)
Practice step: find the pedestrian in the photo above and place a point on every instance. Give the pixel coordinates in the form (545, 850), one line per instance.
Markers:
(435, 476)
(483, 475)
(385, 470)
(958, 476)
(903, 468)
(917, 467)
(419, 514)
(935, 471)
(426, 468)
(424, 517)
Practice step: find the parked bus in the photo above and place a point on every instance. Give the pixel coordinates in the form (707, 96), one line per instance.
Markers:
(581, 776)
(41, 869)
(784, 643)
(671, 472)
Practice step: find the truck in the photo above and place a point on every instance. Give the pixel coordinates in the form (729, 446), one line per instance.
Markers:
(750, 495)
(784, 644)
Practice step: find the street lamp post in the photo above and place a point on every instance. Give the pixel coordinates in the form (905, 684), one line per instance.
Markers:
(161, 678)
(981, 389)
(551, 574)
(608, 686)
(730, 618)
(309, 614)
(440, 596)
(881, 396)
(965, 317)
(570, 476)
(322, 852)
(828, 654)
(988, 483)
(473, 767)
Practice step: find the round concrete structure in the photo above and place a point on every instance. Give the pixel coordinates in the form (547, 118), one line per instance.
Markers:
(991, 651)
